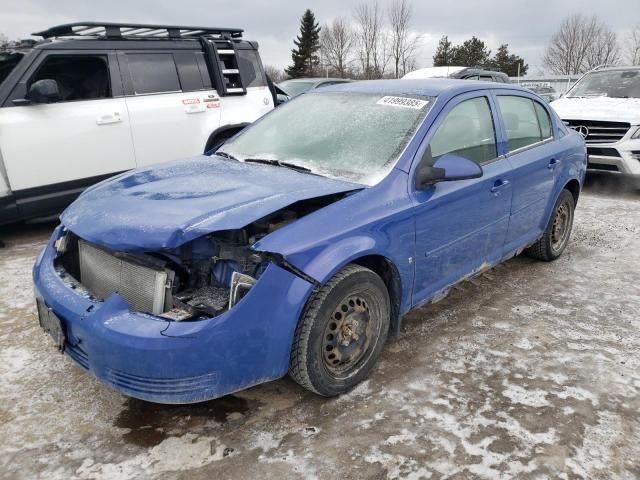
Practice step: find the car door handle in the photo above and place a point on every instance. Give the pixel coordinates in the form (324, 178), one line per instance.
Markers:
(109, 119)
(553, 163)
(498, 185)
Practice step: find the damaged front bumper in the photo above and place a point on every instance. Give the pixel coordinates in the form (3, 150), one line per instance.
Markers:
(154, 359)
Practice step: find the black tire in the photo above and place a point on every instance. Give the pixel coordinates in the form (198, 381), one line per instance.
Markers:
(556, 236)
(334, 350)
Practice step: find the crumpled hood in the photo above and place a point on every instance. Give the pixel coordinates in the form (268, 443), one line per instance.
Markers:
(167, 205)
(599, 108)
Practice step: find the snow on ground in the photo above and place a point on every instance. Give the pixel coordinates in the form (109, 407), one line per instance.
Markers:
(532, 373)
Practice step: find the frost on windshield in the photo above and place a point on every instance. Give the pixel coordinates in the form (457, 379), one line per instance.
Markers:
(345, 135)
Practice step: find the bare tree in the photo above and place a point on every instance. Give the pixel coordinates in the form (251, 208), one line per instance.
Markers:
(403, 44)
(581, 43)
(382, 54)
(410, 53)
(632, 46)
(368, 33)
(276, 74)
(336, 42)
(603, 50)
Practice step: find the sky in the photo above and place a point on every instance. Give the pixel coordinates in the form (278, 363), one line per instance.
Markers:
(525, 25)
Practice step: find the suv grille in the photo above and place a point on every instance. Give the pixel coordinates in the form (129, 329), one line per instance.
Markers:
(102, 274)
(599, 132)
(603, 152)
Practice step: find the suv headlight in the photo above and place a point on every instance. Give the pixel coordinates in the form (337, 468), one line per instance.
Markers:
(636, 134)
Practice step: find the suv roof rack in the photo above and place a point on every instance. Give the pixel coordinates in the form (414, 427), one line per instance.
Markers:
(135, 30)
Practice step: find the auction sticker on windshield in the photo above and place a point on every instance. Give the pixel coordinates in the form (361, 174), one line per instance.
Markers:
(402, 102)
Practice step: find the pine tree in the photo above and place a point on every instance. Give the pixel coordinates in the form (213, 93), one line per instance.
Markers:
(472, 53)
(444, 53)
(507, 63)
(304, 56)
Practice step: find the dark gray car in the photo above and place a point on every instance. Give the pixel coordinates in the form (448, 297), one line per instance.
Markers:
(296, 86)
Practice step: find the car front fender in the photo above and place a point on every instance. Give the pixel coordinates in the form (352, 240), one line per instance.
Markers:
(373, 222)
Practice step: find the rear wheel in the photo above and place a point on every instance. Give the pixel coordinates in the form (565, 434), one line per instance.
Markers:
(341, 333)
(556, 236)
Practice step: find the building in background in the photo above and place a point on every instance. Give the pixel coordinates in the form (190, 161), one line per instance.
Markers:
(560, 83)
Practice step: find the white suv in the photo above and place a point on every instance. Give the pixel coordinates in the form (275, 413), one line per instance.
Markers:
(95, 99)
(604, 107)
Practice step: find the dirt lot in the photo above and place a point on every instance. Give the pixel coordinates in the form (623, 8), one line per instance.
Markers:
(531, 371)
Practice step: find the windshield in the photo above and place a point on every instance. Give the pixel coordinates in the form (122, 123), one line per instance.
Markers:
(608, 83)
(296, 88)
(347, 135)
(8, 61)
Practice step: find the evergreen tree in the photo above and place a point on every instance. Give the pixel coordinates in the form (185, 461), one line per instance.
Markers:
(304, 56)
(507, 63)
(444, 53)
(472, 53)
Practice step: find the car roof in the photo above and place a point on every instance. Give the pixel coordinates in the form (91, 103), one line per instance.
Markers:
(616, 67)
(482, 70)
(428, 87)
(433, 72)
(316, 79)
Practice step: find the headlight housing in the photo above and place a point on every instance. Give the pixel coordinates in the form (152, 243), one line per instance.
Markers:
(636, 134)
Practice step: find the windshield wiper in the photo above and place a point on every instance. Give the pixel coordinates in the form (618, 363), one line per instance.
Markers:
(279, 163)
(225, 155)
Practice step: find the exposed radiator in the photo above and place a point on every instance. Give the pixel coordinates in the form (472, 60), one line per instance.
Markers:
(102, 274)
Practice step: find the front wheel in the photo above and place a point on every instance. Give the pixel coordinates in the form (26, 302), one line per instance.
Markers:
(341, 333)
(556, 236)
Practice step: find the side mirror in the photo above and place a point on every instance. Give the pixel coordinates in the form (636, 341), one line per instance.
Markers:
(447, 168)
(44, 91)
(281, 98)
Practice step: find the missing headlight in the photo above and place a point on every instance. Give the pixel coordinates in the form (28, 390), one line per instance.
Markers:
(240, 286)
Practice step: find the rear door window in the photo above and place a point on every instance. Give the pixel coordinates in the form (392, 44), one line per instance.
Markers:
(188, 71)
(153, 73)
(204, 70)
(521, 121)
(251, 69)
(544, 120)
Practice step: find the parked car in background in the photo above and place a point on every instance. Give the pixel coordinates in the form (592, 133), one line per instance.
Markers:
(296, 86)
(544, 91)
(604, 107)
(463, 73)
(95, 99)
(299, 245)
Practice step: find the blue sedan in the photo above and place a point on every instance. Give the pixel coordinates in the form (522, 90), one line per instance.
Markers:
(298, 246)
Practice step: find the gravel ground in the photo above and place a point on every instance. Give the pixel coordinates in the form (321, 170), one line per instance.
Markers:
(531, 371)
